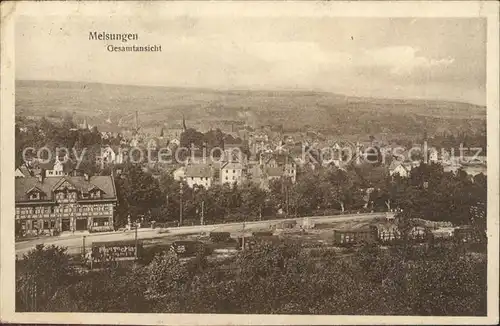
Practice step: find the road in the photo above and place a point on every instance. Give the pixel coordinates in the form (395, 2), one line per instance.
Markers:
(75, 242)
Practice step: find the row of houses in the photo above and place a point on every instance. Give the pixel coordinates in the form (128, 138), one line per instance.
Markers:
(236, 170)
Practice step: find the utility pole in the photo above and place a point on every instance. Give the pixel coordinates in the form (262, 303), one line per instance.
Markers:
(136, 247)
(287, 211)
(243, 238)
(83, 240)
(202, 212)
(180, 204)
(167, 206)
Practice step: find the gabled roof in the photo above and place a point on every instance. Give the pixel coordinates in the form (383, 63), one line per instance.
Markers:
(94, 187)
(281, 159)
(61, 181)
(198, 171)
(105, 183)
(273, 172)
(395, 164)
(23, 169)
(34, 188)
(232, 166)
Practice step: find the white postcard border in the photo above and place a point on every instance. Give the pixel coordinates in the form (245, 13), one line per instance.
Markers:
(10, 10)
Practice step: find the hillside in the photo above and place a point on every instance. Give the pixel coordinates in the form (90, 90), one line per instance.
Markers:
(204, 108)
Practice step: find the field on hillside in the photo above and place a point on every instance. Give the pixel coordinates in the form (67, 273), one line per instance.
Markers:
(157, 106)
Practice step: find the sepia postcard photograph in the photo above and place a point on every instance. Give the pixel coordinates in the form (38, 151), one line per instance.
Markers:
(253, 163)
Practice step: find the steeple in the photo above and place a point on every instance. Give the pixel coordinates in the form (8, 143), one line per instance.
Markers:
(184, 123)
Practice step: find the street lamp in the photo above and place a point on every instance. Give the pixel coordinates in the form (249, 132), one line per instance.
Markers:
(180, 205)
(202, 212)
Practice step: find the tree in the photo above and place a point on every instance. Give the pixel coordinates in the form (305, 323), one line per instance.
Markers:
(191, 137)
(166, 275)
(40, 273)
(111, 290)
(252, 199)
(337, 187)
(137, 192)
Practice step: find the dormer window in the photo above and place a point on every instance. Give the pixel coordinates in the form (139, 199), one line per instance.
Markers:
(95, 194)
(35, 194)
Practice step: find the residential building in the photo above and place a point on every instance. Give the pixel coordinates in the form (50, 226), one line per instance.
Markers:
(232, 172)
(109, 155)
(199, 174)
(281, 161)
(273, 173)
(57, 168)
(398, 167)
(22, 172)
(64, 203)
(179, 173)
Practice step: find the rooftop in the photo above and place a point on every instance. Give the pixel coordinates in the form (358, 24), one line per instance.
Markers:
(198, 171)
(48, 185)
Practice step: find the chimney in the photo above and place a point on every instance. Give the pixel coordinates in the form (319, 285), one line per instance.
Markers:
(86, 176)
(41, 176)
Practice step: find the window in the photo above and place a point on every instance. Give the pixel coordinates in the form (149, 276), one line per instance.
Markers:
(32, 210)
(52, 224)
(45, 225)
(234, 171)
(52, 209)
(100, 221)
(95, 194)
(227, 178)
(234, 178)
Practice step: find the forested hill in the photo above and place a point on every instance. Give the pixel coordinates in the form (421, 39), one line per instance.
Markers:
(337, 114)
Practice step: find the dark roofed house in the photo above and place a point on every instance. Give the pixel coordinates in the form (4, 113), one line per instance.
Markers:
(67, 203)
(55, 168)
(199, 174)
(22, 172)
(282, 162)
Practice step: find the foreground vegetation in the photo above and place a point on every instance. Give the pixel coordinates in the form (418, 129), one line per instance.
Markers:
(275, 279)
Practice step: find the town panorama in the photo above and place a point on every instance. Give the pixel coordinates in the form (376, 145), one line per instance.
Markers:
(273, 170)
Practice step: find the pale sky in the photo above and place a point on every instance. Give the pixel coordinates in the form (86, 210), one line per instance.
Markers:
(432, 58)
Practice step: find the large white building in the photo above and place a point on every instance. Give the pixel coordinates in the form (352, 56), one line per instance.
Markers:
(199, 174)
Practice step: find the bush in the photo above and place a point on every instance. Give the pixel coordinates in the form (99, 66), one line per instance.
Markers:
(262, 233)
(220, 236)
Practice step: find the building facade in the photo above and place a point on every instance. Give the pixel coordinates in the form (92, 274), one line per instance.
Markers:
(46, 205)
(198, 175)
(232, 172)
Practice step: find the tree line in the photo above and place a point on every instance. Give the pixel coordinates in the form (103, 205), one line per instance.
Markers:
(429, 193)
(280, 278)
